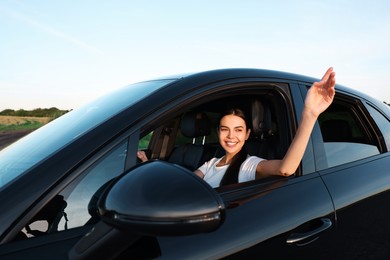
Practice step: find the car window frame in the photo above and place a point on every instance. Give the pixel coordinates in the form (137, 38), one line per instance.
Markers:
(378, 115)
(287, 89)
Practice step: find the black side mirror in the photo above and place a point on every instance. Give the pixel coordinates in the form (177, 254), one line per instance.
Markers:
(159, 198)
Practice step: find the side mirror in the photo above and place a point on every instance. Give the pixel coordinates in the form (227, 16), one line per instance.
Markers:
(159, 198)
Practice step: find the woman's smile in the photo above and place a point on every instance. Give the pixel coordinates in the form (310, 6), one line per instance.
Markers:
(231, 143)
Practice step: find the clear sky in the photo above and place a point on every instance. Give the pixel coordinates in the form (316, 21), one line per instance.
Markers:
(64, 53)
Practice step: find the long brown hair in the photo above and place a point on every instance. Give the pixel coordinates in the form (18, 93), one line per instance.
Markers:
(231, 174)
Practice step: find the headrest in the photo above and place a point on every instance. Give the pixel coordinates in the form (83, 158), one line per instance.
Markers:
(195, 124)
(261, 119)
(336, 130)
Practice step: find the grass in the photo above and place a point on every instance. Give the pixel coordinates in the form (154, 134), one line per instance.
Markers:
(15, 123)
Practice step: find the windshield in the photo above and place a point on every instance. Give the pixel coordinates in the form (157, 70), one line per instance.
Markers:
(28, 151)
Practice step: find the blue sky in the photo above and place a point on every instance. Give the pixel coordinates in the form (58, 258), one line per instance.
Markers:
(65, 53)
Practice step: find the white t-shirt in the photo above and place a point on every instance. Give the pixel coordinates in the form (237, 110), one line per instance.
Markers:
(213, 174)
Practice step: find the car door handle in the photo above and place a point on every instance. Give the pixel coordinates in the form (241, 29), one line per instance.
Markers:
(296, 238)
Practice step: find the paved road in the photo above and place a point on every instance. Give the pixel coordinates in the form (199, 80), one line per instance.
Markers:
(7, 138)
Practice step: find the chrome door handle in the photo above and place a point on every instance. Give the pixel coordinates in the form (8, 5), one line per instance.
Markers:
(295, 238)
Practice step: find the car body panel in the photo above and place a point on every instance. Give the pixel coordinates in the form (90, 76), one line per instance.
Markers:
(360, 192)
(246, 225)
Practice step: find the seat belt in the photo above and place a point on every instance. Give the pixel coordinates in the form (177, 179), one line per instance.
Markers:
(164, 146)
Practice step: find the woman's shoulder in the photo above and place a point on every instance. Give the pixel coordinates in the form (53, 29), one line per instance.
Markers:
(212, 161)
(253, 159)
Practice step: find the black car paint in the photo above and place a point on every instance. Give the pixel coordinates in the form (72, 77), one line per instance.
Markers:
(158, 209)
(292, 201)
(245, 226)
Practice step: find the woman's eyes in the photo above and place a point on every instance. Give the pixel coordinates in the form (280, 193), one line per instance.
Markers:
(238, 130)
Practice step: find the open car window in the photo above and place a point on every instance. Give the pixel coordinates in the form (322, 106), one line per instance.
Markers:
(190, 138)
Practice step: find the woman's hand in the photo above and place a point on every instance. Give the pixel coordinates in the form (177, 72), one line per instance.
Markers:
(321, 94)
(142, 156)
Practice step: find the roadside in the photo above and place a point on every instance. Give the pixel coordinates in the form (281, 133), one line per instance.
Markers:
(14, 127)
(9, 137)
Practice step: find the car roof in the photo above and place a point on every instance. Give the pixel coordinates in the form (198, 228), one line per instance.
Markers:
(223, 74)
(240, 72)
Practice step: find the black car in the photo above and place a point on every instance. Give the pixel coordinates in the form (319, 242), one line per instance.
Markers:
(75, 188)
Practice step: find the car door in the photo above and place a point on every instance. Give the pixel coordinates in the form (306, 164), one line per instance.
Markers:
(262, 220)
(354, 164)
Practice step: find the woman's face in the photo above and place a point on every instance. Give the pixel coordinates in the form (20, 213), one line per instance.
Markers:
(232, 134)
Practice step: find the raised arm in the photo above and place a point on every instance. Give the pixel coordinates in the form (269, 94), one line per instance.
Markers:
(318, 99)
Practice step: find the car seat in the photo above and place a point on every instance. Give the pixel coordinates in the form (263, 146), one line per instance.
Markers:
(193, 124)
(336, 130)
(263, 139)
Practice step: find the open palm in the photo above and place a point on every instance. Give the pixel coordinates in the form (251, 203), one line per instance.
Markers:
(321, 94)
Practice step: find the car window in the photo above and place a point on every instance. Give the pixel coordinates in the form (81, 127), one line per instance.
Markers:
(345, 134)
(191, 138)
(144, 141)
(32, 149)
(71, 208)
(79, 194)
